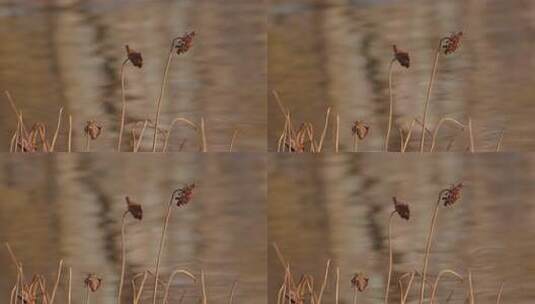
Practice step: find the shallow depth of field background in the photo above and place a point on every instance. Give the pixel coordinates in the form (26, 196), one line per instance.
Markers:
(338, 207)
(336, 53)
(70, 207)
(69, 53)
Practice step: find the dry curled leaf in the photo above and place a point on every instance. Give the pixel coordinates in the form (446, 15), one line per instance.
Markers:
(401, 208)
(134, 209)
(135, 57)
(401, 57)
(360, 281)
(360, 129)
(93, 129)
(93, 282)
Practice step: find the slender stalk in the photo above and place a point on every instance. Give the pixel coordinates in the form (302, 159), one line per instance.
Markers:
(439, 124)
(86, 294)
(471, 135)
(162, 91)
(233, 139)
(162, 242)
(499, 144)
(355, 143)
(426, 107)
(140, 139)
(337, 133)
(328, 112)
(428, 246)
(203, 286)
(231, 296)
(435, 285)
(170, 280)
(355, 295)
(53, 296)
(387, 137)
(472, 300)
(390, 258)
(123, 108)
(69, 143)
(69, 295)
(123, 257)
(87, 143)
(203, 136)
(57, 130)
(499, 297)
(324, 281)
(409, 285)
(140, 291)
(337, 294)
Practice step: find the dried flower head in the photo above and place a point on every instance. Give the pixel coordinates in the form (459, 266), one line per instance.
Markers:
(134, 209)
(452, 195)
(360, 129)
(93, 129)
(451, 44)
(135, 57)
(360, 281)
(93, 282)
(401, 208)
(184, 195)
(184, 43)
(401, 57)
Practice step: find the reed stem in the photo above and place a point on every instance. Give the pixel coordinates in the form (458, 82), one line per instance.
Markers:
(123, 257)
(162, 242)
(428, 246)
(162, 91)
(390, 258)
(426, 107)
(387, 137)
(123, 107)
(435, 285)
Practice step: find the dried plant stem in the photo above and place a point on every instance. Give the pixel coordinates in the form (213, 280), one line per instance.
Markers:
(337, 134)
(355, 143)
(162, 242)
(409, 133)
(86, 294)
(69, 294)
(69, 143)
(203, 287)
(390, 258)
(325, 277)
(170, 280)
(337, 293)
(471, 134)
(499, 143)
(172, 124)
(324, 132)
(203, 136)
(123, 257)
(233, 139)
(231, 296)
(428, 246)
(405, 294)
(140, 291)
(435, 285)
(499, 296)
(123, 106)
(160, 97)
(87, 143)
(472, 300)
(137, 144)
(53, 296)
(355, 295)
(437, 128)
(387, 137)
(428, 96)
(53, 144)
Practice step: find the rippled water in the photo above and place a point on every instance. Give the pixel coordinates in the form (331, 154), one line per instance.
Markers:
(337, 52)
(70, 207)
(68, 54)
(338, 207)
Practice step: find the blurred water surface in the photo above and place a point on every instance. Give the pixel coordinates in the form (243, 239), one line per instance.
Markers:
(70, 207)
(338, 207)
(68, 53)
(336, 53)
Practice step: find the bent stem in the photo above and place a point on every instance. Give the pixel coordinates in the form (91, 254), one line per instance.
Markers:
(387, 292)
(387, 137)
(499, 297)
(170, 280)
(123, 257)
(428, 246)
(162, 242)
(162, 91)
(439, 124)
(123, 108)
(426, 107)
(435, 285)
(53, 296)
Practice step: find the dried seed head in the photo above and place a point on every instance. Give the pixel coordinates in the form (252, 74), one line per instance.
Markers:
(134, 209)
(93, 129)
(93, 282)
(401, 208)
(360, 129)
(451, 43)
(184, 43)
(401, 57)
(452, 195)
(135, 57)
(360, 281)
(184, 195)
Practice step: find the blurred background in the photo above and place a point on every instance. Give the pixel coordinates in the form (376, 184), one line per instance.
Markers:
(336, 53)
(70, 207)
(68, 53)
(347, 201)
